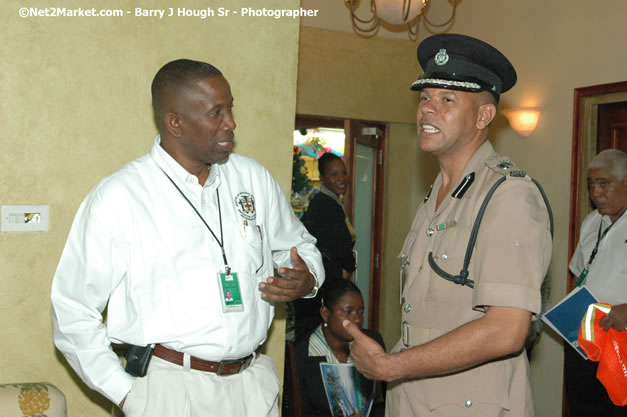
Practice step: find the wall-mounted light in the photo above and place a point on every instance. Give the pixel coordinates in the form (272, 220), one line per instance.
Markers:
(522, 120)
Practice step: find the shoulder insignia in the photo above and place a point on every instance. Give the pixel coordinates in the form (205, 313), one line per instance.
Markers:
(428, 194)
(504, 166)
(517, 173)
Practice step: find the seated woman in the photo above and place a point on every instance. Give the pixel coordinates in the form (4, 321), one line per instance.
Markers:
(330, 343)
(326, 220)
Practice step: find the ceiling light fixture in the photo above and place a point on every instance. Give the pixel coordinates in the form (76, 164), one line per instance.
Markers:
(395, 12)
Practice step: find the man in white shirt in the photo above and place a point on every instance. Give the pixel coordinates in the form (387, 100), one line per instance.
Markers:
(600, 262)
(161, 241)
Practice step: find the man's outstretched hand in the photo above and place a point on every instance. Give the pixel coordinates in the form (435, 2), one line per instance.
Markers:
(294, 283)
(369, 357)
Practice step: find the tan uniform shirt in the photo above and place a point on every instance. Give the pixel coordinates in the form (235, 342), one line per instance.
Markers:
(509, 262)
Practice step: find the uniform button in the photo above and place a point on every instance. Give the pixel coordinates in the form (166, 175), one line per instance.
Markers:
(230, 348)
(468, 403)
(444, 257)
(407, 308)
(420, 268)
(430, 232)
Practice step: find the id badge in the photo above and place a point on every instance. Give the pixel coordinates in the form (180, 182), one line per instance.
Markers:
(581, 280)
(230, 293)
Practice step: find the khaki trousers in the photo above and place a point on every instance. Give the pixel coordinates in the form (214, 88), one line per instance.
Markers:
(170, 390)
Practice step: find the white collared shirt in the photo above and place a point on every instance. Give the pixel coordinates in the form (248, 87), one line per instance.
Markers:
(607, 277)
(138, 245)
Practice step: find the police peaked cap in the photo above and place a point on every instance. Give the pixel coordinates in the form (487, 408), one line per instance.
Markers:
(459, 62)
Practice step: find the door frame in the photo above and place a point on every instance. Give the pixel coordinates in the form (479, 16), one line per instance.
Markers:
(376, 245)
(584, 147)
(308, 121)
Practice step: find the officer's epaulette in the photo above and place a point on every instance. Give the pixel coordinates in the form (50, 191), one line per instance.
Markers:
(505, 166)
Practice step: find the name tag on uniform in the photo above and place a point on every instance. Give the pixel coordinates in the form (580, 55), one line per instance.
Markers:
(230, 293)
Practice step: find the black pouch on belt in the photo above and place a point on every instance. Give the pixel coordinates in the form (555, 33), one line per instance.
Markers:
(137, 359)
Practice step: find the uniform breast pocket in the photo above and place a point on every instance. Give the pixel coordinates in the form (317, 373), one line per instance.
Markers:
(254, 236)
(446, 261)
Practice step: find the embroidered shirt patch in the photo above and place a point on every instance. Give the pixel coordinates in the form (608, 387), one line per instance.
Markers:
(245, 203)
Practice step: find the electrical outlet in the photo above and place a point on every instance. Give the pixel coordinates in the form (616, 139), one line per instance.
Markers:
(27, 218)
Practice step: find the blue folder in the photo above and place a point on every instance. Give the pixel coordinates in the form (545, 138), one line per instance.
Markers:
(565, 317)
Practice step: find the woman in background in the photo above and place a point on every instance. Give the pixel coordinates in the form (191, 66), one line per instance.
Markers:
(330, 343)
(326, 220)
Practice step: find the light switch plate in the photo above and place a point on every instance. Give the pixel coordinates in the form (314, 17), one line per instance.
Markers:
(26, 218)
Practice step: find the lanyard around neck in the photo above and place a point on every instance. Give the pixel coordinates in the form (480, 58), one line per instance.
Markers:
(220, 241)
(600, 237)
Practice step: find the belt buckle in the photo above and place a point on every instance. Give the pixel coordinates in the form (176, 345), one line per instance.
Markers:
(228, 362)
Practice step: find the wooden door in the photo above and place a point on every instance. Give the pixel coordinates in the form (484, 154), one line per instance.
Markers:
(612, 126)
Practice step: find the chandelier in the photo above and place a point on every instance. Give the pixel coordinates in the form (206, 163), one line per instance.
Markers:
(395, 12)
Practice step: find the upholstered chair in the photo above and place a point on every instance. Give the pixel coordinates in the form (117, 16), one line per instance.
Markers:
(39, 399)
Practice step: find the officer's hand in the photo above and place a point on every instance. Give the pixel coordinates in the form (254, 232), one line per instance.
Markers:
(368, 355)
(295, 283)
(617, 318)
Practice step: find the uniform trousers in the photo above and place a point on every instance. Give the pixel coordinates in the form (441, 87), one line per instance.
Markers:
(170, 390)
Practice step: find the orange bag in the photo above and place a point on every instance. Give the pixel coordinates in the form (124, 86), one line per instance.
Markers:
(609, 348)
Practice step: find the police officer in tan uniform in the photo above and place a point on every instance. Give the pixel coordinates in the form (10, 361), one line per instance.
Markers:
(461, 348)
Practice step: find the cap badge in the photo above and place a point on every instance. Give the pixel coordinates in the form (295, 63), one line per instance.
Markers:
(441, 57)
